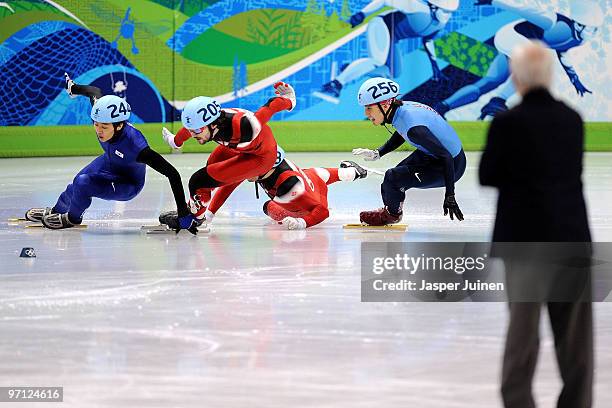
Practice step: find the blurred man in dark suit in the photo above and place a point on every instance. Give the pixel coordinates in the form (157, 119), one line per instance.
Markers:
(534, 157)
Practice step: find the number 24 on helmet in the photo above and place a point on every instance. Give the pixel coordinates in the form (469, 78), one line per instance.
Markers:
(110, 109)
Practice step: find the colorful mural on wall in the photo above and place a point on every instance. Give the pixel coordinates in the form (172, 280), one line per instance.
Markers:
(450, 54)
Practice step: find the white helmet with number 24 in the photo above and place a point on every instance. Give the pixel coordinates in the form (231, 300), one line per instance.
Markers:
(110, 109)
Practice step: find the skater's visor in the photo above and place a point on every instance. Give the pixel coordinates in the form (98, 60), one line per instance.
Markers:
(197, 131)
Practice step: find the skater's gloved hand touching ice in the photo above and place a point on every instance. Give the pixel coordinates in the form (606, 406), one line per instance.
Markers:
(452, 208)
(169, 138)
(368, 155)
(294, 223)
(189, 223)
(286, 91)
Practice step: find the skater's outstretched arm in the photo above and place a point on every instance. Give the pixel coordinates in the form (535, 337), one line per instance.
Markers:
(92, 92)
(317, 215)
(284, 101)
(176, 141)
(395, 141)
(154, 160)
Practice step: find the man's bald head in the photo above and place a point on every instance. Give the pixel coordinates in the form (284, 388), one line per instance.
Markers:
(531, 65)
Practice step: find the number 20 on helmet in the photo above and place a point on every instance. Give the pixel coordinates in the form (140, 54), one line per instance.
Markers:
(200, 112)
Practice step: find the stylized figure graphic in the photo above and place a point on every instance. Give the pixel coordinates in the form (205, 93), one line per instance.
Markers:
(561, 33)
(127, 31)
(409, 19)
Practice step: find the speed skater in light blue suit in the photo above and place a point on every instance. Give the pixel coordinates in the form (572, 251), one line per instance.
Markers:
(559, 32)
(119, 173)
(438, 161)
(409, 19)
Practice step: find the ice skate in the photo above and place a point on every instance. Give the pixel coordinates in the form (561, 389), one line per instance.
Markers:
(37, 214)
(57, 221)
(379, 217)
(171, 219)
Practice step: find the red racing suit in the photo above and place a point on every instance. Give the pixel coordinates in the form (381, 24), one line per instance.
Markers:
(247, 149)
(298, 193)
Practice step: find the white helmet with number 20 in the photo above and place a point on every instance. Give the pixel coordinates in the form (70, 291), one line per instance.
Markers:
(376, 90)
(199, 112)
(110, 109)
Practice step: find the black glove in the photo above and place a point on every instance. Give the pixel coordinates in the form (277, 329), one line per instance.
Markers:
(357, 19)
(483, 2)
(451, 207)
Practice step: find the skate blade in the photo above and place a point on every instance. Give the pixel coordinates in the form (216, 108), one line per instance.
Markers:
(16, 220)
(164, 229)
(390, 227)
(40, 226)
(156, 229)
(326, 97)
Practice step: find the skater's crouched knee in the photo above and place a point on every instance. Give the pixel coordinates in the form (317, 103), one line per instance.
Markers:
(391, 177)
(82, 181)
(201, 179)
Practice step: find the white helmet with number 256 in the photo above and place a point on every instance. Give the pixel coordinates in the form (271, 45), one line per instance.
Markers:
(376, 90)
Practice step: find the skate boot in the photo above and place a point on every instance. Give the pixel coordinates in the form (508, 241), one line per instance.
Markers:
(330, 92)
(171, 219)
(68, 85)
(57, 221)
(360, 172)
(37, 214)
(379, 217)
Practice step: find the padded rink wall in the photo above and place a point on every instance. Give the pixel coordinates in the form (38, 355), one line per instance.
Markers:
(158, 54)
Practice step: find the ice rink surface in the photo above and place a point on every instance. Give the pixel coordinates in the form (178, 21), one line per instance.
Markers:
(251, 314)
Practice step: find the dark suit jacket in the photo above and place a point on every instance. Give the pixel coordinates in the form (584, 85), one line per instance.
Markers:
(534, 157)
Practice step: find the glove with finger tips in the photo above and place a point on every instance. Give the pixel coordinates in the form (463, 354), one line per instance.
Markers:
(169, 138)
(368, 155)
(286, 91)
(292, 223)
(451, 208)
